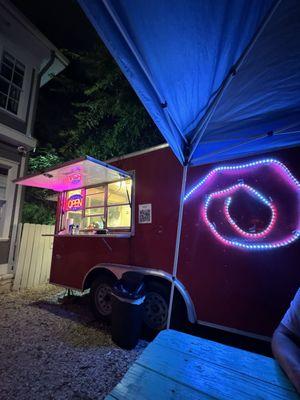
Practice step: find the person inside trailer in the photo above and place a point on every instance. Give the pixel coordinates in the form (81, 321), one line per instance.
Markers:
(286, 342)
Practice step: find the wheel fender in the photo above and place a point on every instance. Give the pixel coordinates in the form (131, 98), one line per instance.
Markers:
(117, 270)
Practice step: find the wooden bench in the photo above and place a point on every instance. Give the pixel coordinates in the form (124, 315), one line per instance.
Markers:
(178, 366)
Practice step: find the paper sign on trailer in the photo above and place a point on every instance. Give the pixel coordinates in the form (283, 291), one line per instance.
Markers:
(145, 213)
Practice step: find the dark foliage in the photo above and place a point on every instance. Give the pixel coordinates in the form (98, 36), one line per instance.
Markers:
(90, 109)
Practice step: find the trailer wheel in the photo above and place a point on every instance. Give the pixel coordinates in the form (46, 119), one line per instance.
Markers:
(155, 308)
(101, 301)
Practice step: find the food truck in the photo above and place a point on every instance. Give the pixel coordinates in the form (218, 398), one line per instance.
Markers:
(239, 253)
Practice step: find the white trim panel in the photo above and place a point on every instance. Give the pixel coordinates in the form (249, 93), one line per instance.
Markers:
(14, 137)
(138, 153)
(12, 174)
(234, 330)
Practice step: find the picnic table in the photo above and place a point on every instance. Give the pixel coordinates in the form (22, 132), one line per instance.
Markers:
(178, 366)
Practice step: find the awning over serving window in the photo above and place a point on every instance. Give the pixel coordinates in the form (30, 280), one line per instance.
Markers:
(86, 171)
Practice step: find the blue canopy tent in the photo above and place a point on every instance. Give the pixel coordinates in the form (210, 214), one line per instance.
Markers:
(220, 78)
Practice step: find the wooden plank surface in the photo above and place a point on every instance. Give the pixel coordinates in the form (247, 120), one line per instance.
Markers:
(28, 255)
(38, 259)
(180, 366)
(217, 381)
(17, 243)
(49, 250)
(21, 258)
(242, 361)
(142, 383)
(34, 256)
(46, 257)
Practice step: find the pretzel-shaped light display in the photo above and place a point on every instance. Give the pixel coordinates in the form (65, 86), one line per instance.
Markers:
(249, 240)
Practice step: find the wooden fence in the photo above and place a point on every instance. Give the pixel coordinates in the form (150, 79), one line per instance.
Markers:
(34, 253)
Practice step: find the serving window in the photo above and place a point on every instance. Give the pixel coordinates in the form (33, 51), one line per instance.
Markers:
(106, 206)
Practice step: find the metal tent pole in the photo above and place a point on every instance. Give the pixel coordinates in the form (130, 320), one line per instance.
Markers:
(177, 245)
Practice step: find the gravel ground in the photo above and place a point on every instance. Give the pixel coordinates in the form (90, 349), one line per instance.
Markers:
(54, 350)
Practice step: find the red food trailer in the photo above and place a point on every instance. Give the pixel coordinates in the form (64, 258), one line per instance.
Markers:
(239, 254)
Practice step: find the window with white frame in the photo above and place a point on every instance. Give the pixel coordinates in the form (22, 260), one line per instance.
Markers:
(104, 206)
(12, 74)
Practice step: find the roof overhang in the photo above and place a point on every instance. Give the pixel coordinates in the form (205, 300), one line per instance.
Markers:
(82, 172)
(59, 64)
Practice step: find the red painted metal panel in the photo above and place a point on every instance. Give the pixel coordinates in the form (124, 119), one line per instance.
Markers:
(242, 289)
(74, 256)
(157, 181)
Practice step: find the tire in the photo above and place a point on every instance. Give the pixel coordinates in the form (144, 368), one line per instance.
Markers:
(155, 309)
(101, 302)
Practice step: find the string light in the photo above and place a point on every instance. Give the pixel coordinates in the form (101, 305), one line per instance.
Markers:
(262, 199)
(265, 161)
(251, 241)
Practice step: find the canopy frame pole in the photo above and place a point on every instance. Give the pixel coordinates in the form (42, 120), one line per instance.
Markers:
(177, 244)
(138, 58)
(232, 72)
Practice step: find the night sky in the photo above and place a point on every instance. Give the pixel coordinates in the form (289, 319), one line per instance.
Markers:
(61, 21)
(66, 26)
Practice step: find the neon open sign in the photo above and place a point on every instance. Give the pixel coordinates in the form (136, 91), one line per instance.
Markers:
(74, 202)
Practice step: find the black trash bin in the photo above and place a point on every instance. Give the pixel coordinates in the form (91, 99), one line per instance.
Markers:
(127, 310)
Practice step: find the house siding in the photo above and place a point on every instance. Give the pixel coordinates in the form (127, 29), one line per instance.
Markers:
(9, 152)
(12, 122)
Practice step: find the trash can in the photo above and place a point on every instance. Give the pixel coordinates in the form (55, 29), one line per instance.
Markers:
(128, 296)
